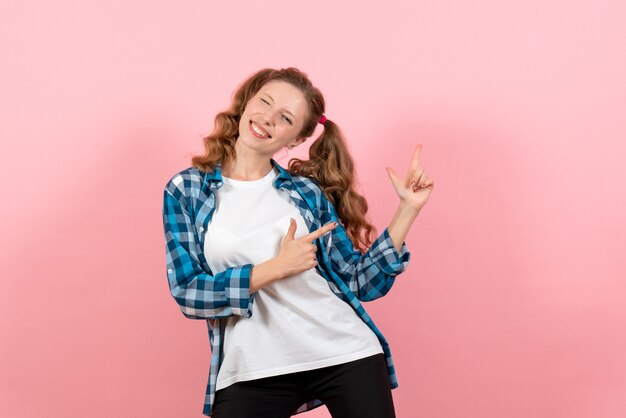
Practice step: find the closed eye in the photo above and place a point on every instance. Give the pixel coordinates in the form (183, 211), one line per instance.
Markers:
(285, 117)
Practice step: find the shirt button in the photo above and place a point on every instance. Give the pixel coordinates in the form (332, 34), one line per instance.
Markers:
(169, 271)
(201, 229)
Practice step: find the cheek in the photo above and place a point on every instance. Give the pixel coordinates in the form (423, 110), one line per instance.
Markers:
(249, 108)
(254, 105)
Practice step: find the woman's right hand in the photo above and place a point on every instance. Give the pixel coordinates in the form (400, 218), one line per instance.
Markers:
(294, 256)
(298, 255)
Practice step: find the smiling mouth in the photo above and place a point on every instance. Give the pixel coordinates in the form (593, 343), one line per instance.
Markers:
(256, 134)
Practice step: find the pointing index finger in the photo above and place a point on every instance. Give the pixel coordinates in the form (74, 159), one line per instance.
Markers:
(319, 232)
(415, 160)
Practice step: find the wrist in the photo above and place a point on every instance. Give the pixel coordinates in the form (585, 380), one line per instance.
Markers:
(262, 275)
(276, 268)
(407, 209)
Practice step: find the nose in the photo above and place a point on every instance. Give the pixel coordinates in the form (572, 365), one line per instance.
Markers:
(268, 116)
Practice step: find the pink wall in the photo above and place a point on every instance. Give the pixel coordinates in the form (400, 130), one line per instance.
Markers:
(513, 305)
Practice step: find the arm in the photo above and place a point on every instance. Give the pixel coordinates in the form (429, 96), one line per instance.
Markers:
(414, 191)
(199, 294)
(368, 275)
(401, 223)
(265, 273)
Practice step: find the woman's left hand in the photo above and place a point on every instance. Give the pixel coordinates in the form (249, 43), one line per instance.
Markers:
(414, 190)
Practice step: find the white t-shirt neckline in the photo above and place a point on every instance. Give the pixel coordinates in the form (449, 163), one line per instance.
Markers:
(251, 183)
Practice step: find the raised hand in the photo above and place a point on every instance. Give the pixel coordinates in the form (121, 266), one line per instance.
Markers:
(415, 188)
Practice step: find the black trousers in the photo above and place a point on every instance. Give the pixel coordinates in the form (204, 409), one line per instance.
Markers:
(357, 389)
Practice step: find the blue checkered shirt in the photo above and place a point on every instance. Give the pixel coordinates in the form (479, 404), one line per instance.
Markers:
(188, 205)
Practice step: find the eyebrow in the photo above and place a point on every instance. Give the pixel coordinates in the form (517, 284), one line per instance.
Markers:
(292, 115)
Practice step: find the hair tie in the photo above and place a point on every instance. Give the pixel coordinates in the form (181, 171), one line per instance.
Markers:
(323, 119)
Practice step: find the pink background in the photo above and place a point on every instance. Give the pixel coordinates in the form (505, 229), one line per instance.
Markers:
(513, 304)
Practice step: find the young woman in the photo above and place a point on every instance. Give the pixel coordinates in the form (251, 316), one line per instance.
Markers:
(277, 261)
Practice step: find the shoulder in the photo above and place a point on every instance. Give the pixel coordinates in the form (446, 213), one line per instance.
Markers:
(306, 183)
(310, 187)
(184, 182)
(314, 193)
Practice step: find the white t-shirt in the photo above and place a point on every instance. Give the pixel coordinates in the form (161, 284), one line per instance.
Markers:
(297, 323)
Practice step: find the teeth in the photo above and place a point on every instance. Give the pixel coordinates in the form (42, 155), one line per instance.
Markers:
(257, 130)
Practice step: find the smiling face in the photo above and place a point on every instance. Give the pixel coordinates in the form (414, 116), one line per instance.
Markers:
(272, 118)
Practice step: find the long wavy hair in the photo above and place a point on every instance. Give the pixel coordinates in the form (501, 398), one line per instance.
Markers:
(329, 163)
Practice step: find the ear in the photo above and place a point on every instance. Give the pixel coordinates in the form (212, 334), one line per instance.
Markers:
(298, 141)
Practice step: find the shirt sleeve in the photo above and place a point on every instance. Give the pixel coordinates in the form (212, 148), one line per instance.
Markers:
(369, 275)
(200, 295)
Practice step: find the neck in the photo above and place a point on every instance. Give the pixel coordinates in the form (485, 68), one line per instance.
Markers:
(247, 166)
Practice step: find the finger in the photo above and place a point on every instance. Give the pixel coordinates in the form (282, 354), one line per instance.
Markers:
(392, 175)
(292, 229)
(319, 232)
(423, 186)
(426, 181)
(419, 181)
(415, 160)
(415, 177)
(422, 177)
